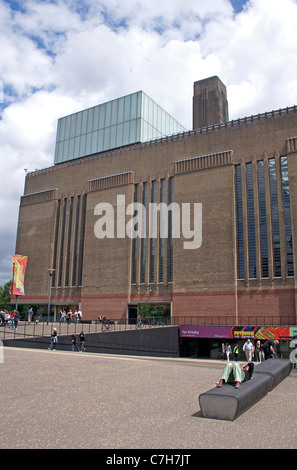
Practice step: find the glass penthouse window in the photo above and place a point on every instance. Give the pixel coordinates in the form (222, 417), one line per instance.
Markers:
(127, 120)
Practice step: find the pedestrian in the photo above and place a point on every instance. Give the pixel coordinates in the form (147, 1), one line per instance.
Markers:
(6, 317)
(235, 352)
(228, 351)
(11, 319)
(64, 316)
(30, 314)
(82, 340)
(79, 315)
(74, 343)
(223, 352)
(269, 348)
(54, 339)
(248, 348)
(258, 351)
(16, 318)
(37, 316)
(236, 373)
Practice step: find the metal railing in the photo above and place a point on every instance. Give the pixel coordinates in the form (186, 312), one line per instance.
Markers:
(232, 320)
(42, 328)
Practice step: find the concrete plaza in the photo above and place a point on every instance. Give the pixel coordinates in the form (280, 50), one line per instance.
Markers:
(70, 400)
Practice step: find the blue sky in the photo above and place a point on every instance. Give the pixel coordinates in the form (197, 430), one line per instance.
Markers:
(61, 56)
(238, 5)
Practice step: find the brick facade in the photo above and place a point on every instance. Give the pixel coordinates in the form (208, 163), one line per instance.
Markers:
(57, 219)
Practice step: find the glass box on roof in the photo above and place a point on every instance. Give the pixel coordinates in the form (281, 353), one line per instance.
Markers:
(128, 120)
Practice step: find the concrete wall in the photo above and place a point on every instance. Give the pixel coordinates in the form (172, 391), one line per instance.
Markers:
(160, 342)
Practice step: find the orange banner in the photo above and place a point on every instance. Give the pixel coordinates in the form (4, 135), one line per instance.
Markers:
(17, 286)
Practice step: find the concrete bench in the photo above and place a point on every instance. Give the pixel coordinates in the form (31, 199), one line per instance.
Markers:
(278, 369)
(227, 402)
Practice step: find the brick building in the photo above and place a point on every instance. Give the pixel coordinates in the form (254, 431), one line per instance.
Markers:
(242, 174)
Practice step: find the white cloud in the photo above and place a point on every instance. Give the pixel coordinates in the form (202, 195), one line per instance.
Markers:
(62, 56)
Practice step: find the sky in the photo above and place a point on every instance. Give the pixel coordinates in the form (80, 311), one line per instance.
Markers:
(62, 56)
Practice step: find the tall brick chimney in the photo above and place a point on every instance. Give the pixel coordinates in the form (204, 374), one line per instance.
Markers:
(210, 105)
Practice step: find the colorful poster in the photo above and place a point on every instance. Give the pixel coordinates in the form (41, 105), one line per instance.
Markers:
(19, 264)
(261, 332)
(237, 332)
(205, 332)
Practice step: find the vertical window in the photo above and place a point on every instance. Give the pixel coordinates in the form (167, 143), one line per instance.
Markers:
(62, 243)
(240, 243)
(170, 232)
(67, 269)
(153, 239)
(143, 240)
(251, 222)
(56, 242)
(287, 215)
(82, 240)
(274, 219)
(76, 238)
(135, 241)
(263, 220)
(162, 240)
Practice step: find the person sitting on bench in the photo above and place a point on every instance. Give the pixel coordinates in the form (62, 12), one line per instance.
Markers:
(236, 373)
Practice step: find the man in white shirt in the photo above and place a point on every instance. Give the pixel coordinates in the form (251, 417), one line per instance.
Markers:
(248, 348)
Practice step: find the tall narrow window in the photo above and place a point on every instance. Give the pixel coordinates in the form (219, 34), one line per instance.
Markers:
(56, 242)
(162, 240)
(143, 240)
(82, 240)
(240, 243)
(263, 220)
(76, 238)
(69, 238)
(62, 243)
(134, 241)
(153, 223)
(251, 221)
(274, 219)
(170, 232)
(287, 215)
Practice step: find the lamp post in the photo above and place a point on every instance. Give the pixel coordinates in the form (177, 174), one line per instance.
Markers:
(50, 271)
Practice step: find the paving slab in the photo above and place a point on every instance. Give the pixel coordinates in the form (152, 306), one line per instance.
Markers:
(70, 400)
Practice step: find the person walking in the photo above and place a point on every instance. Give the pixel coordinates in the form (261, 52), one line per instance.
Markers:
(223, 352)
(236, 352)
(30, 314)
(248, 348)
(269, 348)
(258, 351)
(54, 339)
(16, 318)
(74, 343)
(228, 351)
(82, 340)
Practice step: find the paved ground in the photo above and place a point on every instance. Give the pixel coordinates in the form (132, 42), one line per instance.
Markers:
(65, 400)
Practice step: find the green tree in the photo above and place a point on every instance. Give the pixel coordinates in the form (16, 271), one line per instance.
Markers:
(4, 296)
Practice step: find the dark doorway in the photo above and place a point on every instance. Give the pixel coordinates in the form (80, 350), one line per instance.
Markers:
(132, 314)
(203, 347)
